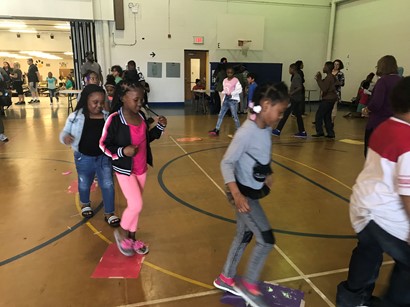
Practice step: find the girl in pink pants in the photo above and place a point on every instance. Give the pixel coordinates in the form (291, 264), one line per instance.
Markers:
(125, 138)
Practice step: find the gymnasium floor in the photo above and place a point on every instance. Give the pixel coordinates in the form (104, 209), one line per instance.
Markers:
(48, 252)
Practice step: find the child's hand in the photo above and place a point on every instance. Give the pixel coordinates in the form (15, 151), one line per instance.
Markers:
(68, 139)
(241, 203)
(130, 150)
(162, 120)
(318, 76)
(269, 181)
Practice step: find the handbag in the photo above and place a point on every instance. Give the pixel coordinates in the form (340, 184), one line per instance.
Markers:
(252, 193)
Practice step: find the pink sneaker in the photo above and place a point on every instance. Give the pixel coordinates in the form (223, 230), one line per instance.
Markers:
(140, 248)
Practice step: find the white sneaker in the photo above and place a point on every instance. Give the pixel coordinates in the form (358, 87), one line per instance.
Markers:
(3, 138)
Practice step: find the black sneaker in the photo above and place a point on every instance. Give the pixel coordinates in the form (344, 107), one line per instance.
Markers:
(319, 135)
(213, 132)
(330, 137)
(32, 101)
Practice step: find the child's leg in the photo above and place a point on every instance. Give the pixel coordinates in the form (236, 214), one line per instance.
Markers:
(51, 94)
(224, 109)
(132, 188)
(258, 223)
(242, 238)
(319, 118)
(104, 174)
(364, 269)
(233, 105)
(86, 172)
(328, 118)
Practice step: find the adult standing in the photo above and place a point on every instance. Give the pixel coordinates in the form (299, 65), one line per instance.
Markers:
(379, 107)
(33, 77)
(7, 68)
(17, 78)
(340, 77)
(219, 76)
(134, 75)
(91, 65)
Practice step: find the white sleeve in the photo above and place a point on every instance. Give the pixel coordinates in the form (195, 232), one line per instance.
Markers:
(403, 174)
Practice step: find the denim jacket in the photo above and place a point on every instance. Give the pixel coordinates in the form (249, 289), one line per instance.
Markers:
(74, 127)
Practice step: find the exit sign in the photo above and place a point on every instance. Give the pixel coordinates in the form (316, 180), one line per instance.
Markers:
(199, 40)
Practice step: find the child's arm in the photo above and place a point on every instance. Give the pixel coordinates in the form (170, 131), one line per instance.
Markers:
(65, 135)
(232, 155)
(107, 140)
(241, 201)
(156, 132)
(238, 89)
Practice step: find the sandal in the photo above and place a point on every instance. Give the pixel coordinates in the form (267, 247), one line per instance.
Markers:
(113, 221)
(87, 212)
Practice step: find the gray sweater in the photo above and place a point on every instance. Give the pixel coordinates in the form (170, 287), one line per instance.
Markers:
(249, 138)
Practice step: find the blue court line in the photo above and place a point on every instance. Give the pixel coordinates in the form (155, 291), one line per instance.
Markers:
(302, 234)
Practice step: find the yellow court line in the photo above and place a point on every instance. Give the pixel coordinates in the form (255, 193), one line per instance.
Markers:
(316, 170)
(151, 265)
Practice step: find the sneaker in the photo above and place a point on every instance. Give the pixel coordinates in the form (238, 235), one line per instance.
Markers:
(37, 101)
(220, 284)
(31, 101)
(276, 132)
(302, 135)
(330, 137)
(254, 300)
(3, 138)
(140, 248)
(214, 132)
(125, 245)
(319, 135)
(20, 103)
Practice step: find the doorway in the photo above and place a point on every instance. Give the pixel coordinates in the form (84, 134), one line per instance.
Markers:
(195, 68)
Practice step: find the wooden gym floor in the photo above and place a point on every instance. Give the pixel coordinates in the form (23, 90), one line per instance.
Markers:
(48, 253)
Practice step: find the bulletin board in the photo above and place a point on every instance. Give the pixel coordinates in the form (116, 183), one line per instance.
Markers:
(154, 70)
(173, 70)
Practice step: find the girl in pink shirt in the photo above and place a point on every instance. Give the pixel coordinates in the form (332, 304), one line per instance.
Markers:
(232, 88)
(125, 138)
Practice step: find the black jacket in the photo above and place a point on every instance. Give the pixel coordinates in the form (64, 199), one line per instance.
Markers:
(116, 136)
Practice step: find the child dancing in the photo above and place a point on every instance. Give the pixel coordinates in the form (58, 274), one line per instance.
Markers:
(247, 174)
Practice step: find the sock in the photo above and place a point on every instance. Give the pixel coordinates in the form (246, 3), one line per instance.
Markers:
(252, 288)
(229, 281)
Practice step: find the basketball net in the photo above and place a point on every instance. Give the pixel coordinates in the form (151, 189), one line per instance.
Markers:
(245, 45)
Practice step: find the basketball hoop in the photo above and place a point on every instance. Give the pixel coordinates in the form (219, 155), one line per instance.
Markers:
(245, 45)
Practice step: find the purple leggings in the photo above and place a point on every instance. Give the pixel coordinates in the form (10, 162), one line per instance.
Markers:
(132, 188)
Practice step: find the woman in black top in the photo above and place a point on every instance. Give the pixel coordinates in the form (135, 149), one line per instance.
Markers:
(17, 79)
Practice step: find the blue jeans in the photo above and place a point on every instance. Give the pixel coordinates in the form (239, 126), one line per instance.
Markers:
(233, 106)
(364, 269)
(87, 167)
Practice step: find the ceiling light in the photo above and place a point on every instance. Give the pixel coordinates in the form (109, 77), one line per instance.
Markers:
(16, 25)
(12, 55)
(43, 55)
(23, 31)
(64, 26)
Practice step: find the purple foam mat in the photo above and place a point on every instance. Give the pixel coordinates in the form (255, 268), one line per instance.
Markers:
(275, 295)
